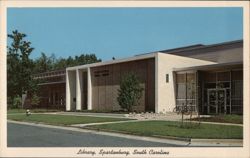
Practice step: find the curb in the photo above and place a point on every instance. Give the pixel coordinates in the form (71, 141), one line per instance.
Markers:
(237, 142)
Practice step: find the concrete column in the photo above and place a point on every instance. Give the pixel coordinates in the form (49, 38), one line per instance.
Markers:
(78, 90)
(67, 92)
(70, 90)
(89, 90)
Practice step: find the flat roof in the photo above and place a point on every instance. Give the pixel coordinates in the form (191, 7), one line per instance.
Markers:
(202, 47)
(176, 51)
(197, 47)
(146, 56)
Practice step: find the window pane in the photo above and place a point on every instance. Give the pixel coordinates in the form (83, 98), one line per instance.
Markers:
(237, 89)
(181, 91)
(191, 90)
(237, 75)
(191, 77)
(223, 76)
(181, 78)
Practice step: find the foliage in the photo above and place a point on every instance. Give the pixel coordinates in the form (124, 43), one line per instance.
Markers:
(43, 63)
(130, 91)
(17, 102)
(35, 100)
(47, 63)
(19, 65)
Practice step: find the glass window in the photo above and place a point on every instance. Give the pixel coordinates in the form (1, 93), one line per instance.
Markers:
(237, 75)
(223, 76)
(191, 78)
(181, 91)
(181, 78)
(191, 90)
(237, 89)
(186, 89)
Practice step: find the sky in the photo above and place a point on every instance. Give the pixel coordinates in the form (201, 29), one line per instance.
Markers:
(122, 32)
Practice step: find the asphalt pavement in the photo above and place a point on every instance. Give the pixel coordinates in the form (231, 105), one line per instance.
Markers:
(20, 135)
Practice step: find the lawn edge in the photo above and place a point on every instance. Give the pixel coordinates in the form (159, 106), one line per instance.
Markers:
(159, 136)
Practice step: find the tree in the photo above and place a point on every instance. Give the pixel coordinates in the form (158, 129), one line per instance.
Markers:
(83, 59)
(130, 91)
(43, 63)
(19, 65)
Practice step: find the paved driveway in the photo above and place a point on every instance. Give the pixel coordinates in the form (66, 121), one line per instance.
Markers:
(20, 135)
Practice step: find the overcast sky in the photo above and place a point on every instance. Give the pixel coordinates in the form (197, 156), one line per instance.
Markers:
(123, 32)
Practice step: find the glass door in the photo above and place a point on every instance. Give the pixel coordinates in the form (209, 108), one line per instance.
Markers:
(221, 101)
(212, 101)
(216, 101)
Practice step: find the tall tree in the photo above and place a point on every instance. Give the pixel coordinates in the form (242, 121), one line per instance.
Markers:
(19, 65)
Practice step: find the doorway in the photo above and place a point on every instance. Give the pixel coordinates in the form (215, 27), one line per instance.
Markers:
(217, 101)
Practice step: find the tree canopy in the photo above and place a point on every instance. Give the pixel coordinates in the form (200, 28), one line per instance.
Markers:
(46, 63)
(19, 65)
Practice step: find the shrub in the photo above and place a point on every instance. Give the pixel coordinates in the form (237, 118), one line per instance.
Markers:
(35, 100)
(16, 102)
(130, 91)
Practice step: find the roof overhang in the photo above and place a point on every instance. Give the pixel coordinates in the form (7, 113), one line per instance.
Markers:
(211, 67)
(50, 83)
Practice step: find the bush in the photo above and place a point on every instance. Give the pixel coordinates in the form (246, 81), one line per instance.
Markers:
(35, 100)
(130, 91)
(16, 102)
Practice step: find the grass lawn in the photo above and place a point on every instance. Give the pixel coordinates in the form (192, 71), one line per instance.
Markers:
(173, 129)
(13, 111)
(61, 119)
(238, 119)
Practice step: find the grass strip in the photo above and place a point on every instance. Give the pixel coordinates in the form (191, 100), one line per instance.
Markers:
(62, 119)
(237, 119)
(174, 129)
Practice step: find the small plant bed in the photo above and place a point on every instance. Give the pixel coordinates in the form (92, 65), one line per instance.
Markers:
(13, 111)
(62, 119)
(174, 129)
(237, 119)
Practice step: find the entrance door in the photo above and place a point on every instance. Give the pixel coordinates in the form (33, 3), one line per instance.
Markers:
(216, 101)
(221, 99)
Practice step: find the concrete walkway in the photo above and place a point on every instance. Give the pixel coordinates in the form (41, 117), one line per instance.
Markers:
(102, 123)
